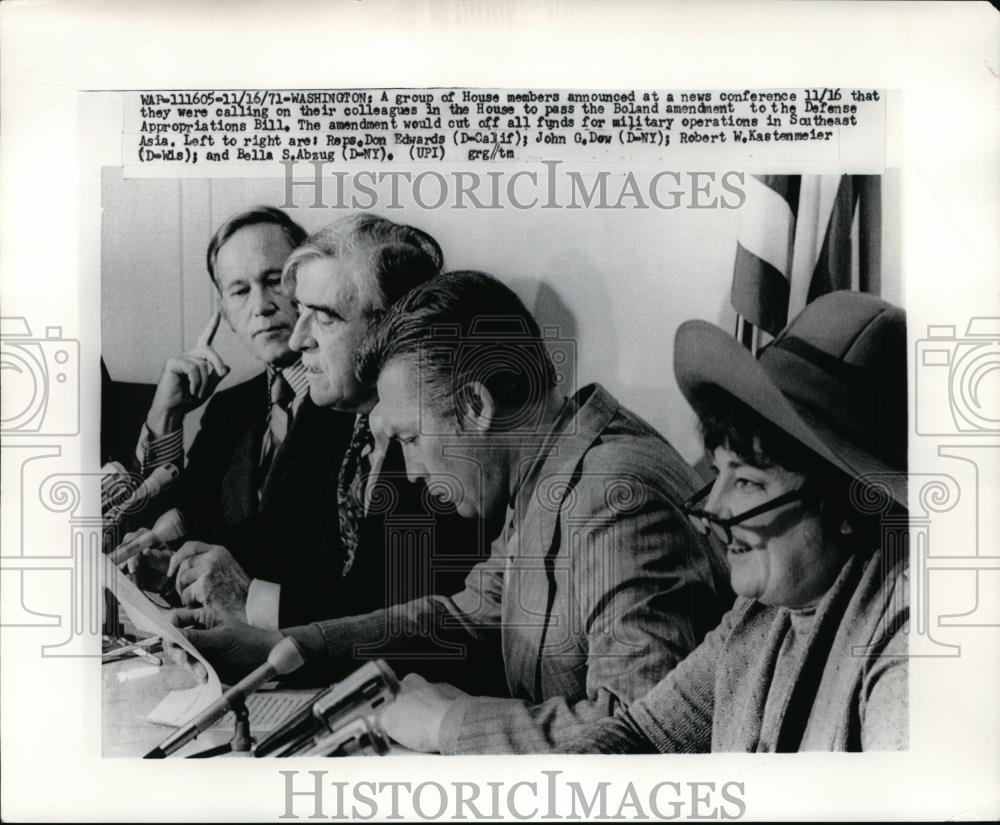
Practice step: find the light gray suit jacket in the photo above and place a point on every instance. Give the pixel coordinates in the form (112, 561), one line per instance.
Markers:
(596, 588)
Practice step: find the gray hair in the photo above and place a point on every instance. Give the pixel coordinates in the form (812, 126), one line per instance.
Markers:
(387, 259)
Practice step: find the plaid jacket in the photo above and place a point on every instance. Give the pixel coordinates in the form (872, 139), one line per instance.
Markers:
(596, 587)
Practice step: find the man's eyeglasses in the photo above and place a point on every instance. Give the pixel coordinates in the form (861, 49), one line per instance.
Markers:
(721, 526)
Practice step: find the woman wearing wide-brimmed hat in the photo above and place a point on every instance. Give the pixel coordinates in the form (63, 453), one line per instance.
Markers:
(809, 446)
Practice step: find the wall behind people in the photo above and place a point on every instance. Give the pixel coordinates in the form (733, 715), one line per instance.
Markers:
(614, 283)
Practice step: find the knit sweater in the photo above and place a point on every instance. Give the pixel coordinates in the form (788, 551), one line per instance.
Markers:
(772, 679)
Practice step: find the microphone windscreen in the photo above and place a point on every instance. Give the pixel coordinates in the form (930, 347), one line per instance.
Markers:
(286, 656)
(112, 468)
(170, 526)
(160, 478)
(156, 483)
(117, 484)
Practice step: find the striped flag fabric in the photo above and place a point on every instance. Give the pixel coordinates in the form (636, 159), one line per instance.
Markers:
(801, 237)
(764, 251)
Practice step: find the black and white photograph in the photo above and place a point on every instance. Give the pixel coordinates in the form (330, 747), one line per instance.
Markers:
(577, 447)
(530, 575)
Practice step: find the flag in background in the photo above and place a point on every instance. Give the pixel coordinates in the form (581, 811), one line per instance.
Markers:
(803, 236)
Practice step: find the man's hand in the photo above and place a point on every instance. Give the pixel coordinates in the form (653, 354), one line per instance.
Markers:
(187, 382)
(208, 575)
(414, 718)
(232, 647)
(148, 567)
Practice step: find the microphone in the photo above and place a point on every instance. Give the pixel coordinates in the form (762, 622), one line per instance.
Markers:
(158, 481)
(168, 527)
(116, 484)
(359, 695)
(356, 736)
(284, 657)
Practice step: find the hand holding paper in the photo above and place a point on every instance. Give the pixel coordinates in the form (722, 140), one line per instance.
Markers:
(236, 647)
(179, 705)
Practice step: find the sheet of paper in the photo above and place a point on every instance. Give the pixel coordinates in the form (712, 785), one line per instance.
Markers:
(179, 705)
(270, 709)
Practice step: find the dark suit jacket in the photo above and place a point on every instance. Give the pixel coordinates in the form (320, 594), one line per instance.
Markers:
(218, 488)
(410, 546)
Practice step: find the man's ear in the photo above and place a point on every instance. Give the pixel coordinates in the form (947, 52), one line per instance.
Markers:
(477, 407)
(220, 305)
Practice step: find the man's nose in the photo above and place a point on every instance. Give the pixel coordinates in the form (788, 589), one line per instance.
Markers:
(415, 470)
(301, 340)
(262, 301)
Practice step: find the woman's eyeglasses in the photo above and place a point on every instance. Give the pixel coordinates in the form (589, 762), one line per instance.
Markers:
(721, 526)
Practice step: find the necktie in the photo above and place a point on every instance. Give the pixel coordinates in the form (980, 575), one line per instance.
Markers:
(278, 418)
(351, 485)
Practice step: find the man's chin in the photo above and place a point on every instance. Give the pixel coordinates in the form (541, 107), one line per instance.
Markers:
(275, 353)
(320, 394)
(334, 396)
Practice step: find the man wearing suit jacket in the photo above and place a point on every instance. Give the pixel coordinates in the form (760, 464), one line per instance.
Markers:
(597, 586)
(225, 477)
(359, 536)
(263, 449)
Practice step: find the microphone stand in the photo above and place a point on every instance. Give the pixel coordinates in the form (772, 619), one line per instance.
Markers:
(242, 741)
(283, 658)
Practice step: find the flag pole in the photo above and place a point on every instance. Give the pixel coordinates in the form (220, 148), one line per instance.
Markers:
(745, 331)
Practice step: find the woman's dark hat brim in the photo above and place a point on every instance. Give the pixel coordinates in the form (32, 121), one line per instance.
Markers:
(822, 388)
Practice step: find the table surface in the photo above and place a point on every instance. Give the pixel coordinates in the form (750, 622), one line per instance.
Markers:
(132, 687)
